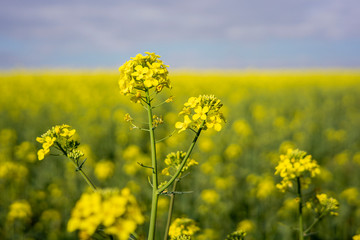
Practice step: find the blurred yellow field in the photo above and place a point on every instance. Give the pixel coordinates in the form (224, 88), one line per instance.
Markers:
(232, 187)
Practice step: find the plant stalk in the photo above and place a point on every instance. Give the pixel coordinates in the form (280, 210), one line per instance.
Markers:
(301, 226)
(86, 178)
(155, 194)
(171, 207)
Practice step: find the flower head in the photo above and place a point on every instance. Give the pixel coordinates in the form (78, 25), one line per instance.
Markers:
(173, 162)
(202, 111)
(327, 204)
(237, 235)
(182, 226)
(296, 164)
(59, 135)
(142, 73)
(116, 210)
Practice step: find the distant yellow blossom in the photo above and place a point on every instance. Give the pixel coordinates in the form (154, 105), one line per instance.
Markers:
(13, 171)
(182, 226)
(26, 152)
(351, 195)
(104, 169)
(210, 196)
(246, 226)
(19, 210)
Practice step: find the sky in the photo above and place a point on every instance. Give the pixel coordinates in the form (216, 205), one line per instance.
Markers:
(188, 34)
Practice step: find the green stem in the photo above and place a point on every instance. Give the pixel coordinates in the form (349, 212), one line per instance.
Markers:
(301, 226)
(314, 223)
(160, 190)
(155, 194)
(171, 207)
(86, 178)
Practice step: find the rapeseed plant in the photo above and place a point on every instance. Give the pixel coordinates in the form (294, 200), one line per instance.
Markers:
(142, 78)
(297, 168)
(60, 138)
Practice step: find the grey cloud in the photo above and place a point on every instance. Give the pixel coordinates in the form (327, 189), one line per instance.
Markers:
(53, 27)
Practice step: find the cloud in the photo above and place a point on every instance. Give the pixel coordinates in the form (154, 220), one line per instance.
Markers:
(115, 26)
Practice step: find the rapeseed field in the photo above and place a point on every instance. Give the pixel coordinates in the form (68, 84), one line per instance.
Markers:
(230, 185)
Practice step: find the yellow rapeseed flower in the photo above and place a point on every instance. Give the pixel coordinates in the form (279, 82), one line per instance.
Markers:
(204, 111)
(60, 135)
(116, 210)
(327, 205)
(142, 73)
(296, 164)
(173, 161)
(182, 126)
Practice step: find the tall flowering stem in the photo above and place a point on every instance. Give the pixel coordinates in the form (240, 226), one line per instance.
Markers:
(142, 78)
(155, 194)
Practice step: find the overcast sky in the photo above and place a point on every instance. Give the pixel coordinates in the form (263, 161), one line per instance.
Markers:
(204, 34)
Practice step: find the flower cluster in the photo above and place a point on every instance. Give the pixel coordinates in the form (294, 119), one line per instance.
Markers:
(182, 226)
(19, 210)
(327, 204)
(237, 235)
(59, 135)
(202, 111)
(173, 162)
(142, 73)
(296, 164)
(116, 211)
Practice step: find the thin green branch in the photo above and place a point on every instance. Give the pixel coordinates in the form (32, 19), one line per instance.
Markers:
(170, 135)
(171, 207)
(160, 190)
(301, 226)
(77, 167)
(314, 223)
